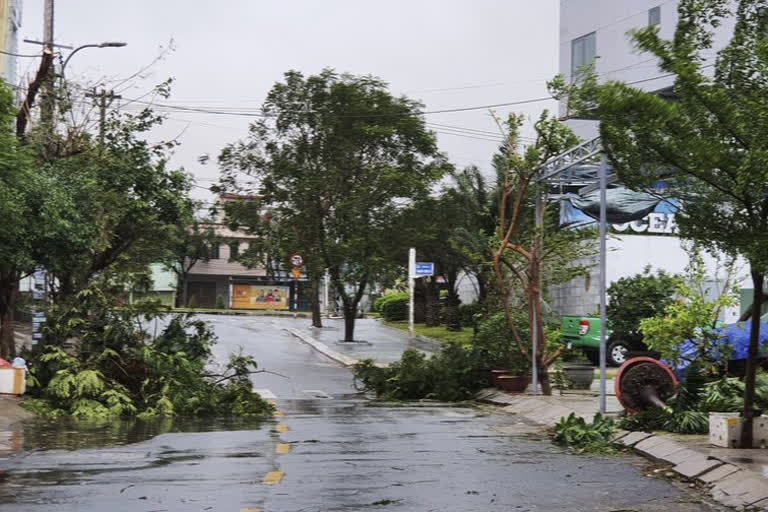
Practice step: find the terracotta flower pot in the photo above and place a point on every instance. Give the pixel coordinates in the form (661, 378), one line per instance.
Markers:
(581, 375)
(513, 383)
(495, 374)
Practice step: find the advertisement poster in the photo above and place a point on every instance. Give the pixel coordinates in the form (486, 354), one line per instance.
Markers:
(250, 296)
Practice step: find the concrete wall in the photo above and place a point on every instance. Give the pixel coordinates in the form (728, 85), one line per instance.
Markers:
(628, 255)
(617, 58)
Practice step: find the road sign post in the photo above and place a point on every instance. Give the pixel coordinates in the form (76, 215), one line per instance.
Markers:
(415, 271)
(296, 262)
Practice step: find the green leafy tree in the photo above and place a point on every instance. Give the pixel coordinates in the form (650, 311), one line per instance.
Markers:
(709, 144)
(337, 155)
(637, 297)
(20, 193)
(190, 242)
(525, 258)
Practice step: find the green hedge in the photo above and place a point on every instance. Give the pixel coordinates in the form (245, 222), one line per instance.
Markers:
(393, 307)
(497, 347)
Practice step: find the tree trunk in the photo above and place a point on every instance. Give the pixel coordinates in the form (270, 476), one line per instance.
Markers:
(451, 314)
(432, 314)
(546, 386)
(419, 303)
(350, 312)
(752, 352)
(482, 287)
(8, 292)
(181, 292)
(316, 317)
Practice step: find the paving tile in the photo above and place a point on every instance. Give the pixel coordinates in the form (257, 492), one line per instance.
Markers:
(634, 438)
(679, 456)
(694, 466)
(662, 450)
(649, 442)
(718, 474)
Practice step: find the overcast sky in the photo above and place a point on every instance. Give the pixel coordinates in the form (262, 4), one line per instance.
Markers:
(447, 53)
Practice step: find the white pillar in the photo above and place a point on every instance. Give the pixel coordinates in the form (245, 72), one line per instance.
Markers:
(411, 287)
(603, 227)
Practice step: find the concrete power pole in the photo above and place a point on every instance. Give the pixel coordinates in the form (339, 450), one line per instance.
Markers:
(48, 105)
(105, 100)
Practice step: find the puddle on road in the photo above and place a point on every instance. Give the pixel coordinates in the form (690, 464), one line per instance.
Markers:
(69, 435)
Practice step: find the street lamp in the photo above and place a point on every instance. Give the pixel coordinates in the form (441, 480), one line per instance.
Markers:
(105, 44)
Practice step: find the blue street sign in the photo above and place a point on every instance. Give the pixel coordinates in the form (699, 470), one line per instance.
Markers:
(424, 269)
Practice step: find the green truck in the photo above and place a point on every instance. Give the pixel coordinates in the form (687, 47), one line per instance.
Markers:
(584, 332)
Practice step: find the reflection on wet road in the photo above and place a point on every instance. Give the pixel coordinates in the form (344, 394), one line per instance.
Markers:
(321, 454)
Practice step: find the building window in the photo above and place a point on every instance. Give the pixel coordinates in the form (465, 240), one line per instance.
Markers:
(654, 16)
(234, 249)
(583, 53)
(214, 254)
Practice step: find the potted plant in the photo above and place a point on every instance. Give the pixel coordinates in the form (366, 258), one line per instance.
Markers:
(577, 370)
(497, 354)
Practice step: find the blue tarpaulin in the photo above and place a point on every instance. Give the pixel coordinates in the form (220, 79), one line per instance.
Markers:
(732, 342)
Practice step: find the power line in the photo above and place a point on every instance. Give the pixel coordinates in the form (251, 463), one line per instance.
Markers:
(21, 54)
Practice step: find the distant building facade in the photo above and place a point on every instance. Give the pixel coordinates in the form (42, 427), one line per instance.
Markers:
(10, 23)
(223, 282)
(596, 33)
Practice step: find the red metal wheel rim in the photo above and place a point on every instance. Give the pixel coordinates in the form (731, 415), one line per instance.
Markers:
(629, 363)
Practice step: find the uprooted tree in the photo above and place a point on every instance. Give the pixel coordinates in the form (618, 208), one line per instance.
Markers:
(708, 143)
(529, 257)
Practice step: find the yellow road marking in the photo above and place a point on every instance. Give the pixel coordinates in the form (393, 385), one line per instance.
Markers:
(282, 448)
(281, 428)
(250, 510)
(277, 414)
(273, 477)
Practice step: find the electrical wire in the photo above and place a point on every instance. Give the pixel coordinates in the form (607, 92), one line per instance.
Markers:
(20, 54)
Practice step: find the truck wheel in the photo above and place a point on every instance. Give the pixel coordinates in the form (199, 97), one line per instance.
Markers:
(593, 356)
(617, 353)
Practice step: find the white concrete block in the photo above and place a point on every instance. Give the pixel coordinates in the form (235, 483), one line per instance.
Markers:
(725, 430)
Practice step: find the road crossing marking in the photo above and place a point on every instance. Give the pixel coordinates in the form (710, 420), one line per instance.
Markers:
(317, 393)
(281, 428)
(266, 394)
(282, 448)
(273, 477)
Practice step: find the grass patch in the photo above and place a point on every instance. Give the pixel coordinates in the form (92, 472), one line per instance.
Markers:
(440, 333)
(609, 373)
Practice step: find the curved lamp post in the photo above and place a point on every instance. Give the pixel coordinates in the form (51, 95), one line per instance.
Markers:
(106, 44)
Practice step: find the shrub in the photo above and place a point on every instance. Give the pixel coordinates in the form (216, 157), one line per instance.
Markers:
(116, 370)
(467, 313)
(220, 304)
(634, 298)
(450, 375)
(394, 307)
(380, 301)
(495, 346)
(595, 437)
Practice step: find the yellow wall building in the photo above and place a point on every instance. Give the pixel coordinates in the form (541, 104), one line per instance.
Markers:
(10, 22)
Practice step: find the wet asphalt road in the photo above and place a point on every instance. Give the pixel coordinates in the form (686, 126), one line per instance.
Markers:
(322, 454)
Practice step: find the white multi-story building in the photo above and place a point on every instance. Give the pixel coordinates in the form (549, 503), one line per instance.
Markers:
(597, 32)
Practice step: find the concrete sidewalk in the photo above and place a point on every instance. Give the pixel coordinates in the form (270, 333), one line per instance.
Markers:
(375, 341)
(733, 477)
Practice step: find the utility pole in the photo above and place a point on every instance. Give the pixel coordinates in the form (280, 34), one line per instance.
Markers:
(48, 105)
(105, 100)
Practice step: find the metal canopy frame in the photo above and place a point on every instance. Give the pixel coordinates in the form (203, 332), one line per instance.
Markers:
(584, 165)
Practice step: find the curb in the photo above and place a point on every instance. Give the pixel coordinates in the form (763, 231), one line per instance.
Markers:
(437, 345)
(322, 348)
(726, 483)
(242, 313)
